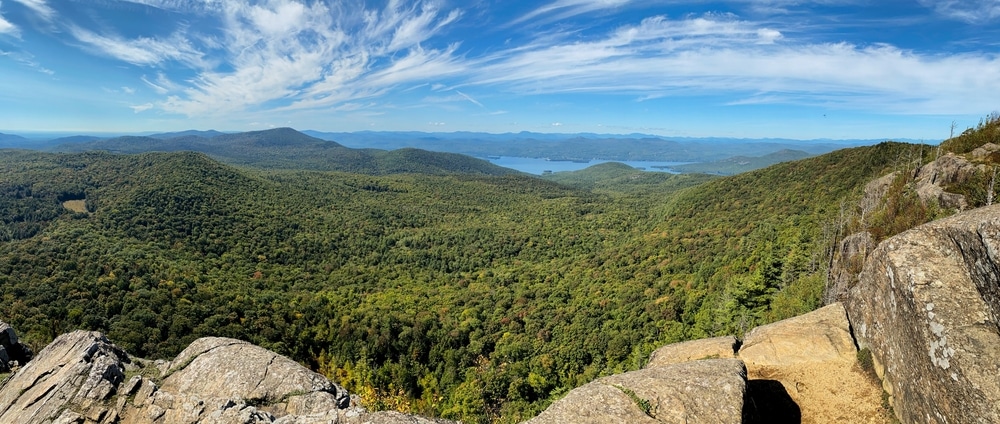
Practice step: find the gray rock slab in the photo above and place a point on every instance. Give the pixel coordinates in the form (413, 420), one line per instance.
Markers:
(707, 391)
(927, 306)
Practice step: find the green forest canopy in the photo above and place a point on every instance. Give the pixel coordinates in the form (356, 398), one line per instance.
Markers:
(471, 297)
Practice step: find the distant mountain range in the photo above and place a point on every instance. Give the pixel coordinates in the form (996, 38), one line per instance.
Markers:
(629, 147)
(737, 164)
(11, 140)
(285, 148)
(386, 151)
(205, 134)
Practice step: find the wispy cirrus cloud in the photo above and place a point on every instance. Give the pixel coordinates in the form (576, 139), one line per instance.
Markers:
(295, 56)
(704, 56)
(470, 99)
(971, 11)
(139, 51)
(141, 108)
(161, 85)
(562, 9)
(40, 7)
(782, 7)
(6, 27)
(26, 59)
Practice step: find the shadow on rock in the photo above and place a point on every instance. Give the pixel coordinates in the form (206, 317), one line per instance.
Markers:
(767, 401)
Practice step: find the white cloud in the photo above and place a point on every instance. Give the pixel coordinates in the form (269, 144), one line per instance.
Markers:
(706, 56)
(163, 85)
(562, 9)
(139, 51)
(470, 99)
(6, 27)
(417, 28)
(40, 7)
(288, 55)
(971, 11)
(781, 7)
(280, 55)
(142, 107)
(27, 59)
(768, 36)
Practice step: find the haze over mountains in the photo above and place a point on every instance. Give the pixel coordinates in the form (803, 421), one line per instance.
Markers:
(285, 148)
(585, 146)
(436, 282)
(380, 152)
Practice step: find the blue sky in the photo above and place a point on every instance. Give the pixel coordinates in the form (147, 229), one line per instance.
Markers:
(770, 68)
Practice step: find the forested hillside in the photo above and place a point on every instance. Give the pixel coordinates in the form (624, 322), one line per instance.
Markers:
(736, 164)
(472, 297)
(285, 148)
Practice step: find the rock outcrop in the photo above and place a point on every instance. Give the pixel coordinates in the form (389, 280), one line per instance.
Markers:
(82, 378)
(929, 182)
(814, 358)
(928, 307)
(69, 381)
(13, 353)
(214, 375)
(707, 391)
(714, 348)
(932, 178)
(848, 260)
(803, 369)
(986, 152)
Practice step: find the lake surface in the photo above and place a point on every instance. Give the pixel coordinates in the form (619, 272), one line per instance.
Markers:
(538, 166)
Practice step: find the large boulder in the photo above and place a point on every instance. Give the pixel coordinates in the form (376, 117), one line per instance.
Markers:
(70, 380)
(13, 353)
(714, 348)
(985, 152)
(220, 380)
(947, 169)
(928, 307)
(80, 378)
(813, 356)
(708, 391)
(214, 367)
(932, 178)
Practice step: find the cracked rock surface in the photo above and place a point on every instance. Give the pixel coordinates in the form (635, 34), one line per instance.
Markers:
(226, 380)
(706, 391)
(82, 369)
(927, 306)
(80, 378)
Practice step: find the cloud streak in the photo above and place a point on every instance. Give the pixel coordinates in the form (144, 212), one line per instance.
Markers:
(143, 51)
(289, 56)
(970, 11)
(40, 7)
(706, 56)
(562, 9)
(7, 28)
(470, 99)
(292, 56)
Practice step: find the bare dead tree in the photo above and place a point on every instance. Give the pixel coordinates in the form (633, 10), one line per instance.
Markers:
(989, 188)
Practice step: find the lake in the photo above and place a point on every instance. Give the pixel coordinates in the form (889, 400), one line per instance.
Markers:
(537, 166)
